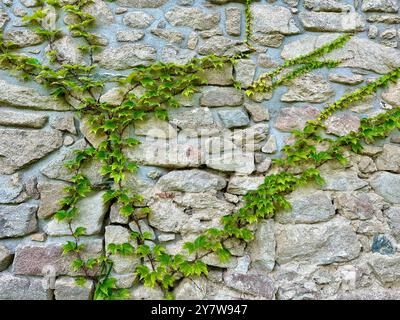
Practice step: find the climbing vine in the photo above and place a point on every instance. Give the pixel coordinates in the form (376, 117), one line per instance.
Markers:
(161, 83)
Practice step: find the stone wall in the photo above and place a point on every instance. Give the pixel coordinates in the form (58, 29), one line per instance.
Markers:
(338, 242)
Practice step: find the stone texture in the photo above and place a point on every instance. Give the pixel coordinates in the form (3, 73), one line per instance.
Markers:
(17, 221)
(342, 124)
(155, 128)
(173, 54)
(392, 94)
(21, 288)
(21, 96)
(340, 180)
(386, 268)
(101, 11)
(327, 6)
(138, 19)
(142, 3)
(273, 19)
(332, 22)
(67, 50)
(308, 88)
(190, 181)
(241, 184)
(380, 6)
(262, 249)
(308, 206)
(387, 185)
(352, 80)
(6, 258)
(129, 36)
(51, 192)
(389, 159)
(171, 36)
(192, 17)
(91, 212)
(244, 72)
(358, 205)
(19, 119)
(239, 162)
(126, 56)
(4, 18)
(321, 244)
(12, 190)
(221, 46)
(221, 97)
(293, 118)
(23, 37)
(393, 215)
(219, 76)
(257, 111)
(67, 289)
(256, 284)
(38, 259)
(233, 21)
(234, 118)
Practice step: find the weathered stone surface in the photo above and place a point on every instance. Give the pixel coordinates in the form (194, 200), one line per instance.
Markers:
(67, 50)
(257, 111)
(342, 124)
(384, 18)
(353, 79)
(262, 248)
(171, 36)
(340, 180)
(23, 37)
(6, 258)
(221, 97)
(308, 206)
(91, 212)
(129, 36)
(187, 291)
(22, 119)
(37, 259)
(332, 22)
(273, 19)
(17, 221)
(389, 159)
(244, 72)
(273, 40)
(65, 122)
(386, 268)
(12, 190)
(293, 118)
(20, 96)
(356, 53)
(389, 37)
(126, 56)
(219, 76)
(383, 244)
(20, 288)
(67, 289)
(192, 17)
(100, 11)
(155, 128)
(233, 21)
(387, 185)
(119, 235)
(321, 244)
(142, 3)
(239, 162)
(392, 94)
(4, 18)
(251, 139)
(234, 118)
(241, 184)
(380, 6)
(358, 205)
(327, 6)
(256, 284)
(308, 88)
(51, 192)
(270, 146)
(138, 19)
(393, 215)
(190, 181)
(173, 54)
(145, 293)
(221, 46)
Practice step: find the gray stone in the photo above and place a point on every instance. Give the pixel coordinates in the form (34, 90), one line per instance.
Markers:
(155, 128)
(392, 94)
(373, 31)
(234, 118)
(269, 40)
(389, 37)
(67, 289)
(129, 36)
(192, 17)
(293, 118)
(219, 76)
(20, 96)
(256, 284)
(173, 54)
(51, 193)
(387, 185)
(240, 185)
(244, 72)
(332, 22)
(6, 258)
(100, 11)
(239, 162)
(273, 19)
(352, 80)
(21, 288)
(323, 243)
(342, 124)
(270, 146)
(383, 245)
(190, 181)
(126, 56)
(308, 206)
(380, 6)
(4, 18)
(65, 123)
(142, 3)
(67, 50)
(37, 259)
(138, 19)
(17, 221)
(222, 46)
(327, 6)
(393, 215)
(12, 190)
(356, 53)
(30, 3)
(358, 205)
(185, 290)
(23, 37)
(116, 216)
(141, 292)
(384, 18)
(91, 212)
(170, 36)
(257, 111)
(386, 268)
(340, 180)
(389, 159)
(262, 248)
(119, 235)
(308, 88)
(251, 139)
(233, 21)
(22, 119)
(221, 97)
